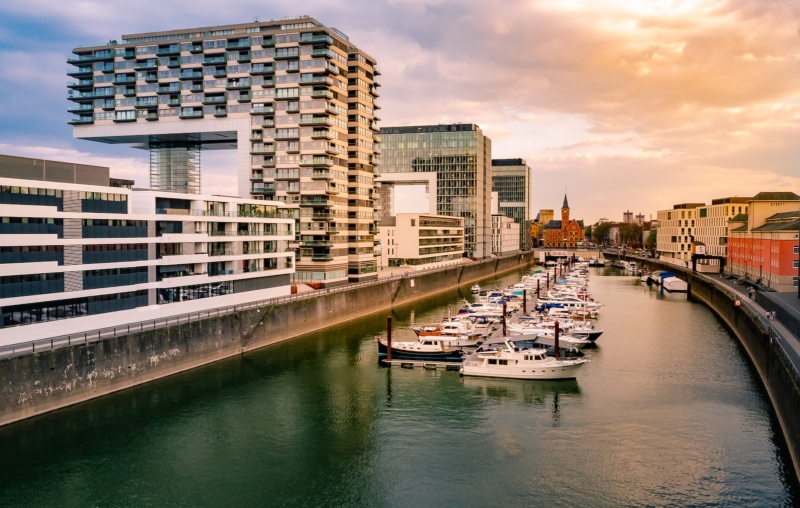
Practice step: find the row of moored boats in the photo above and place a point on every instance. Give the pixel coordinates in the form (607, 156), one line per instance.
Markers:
(544, 344)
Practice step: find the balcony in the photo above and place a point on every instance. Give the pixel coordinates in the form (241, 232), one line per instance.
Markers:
(323, 52)
(333, 69)
(293, 108)
(241, 43)
(220, 73)
(129, 92)
(151, 115)
(220, 112)
(238, 84)
(321, 134)
(268, 83)
(83, 120)
(262, 149)
(146, 102)
(268, 42)
(174, 102)
(293, 67)
(171, 89)
(321, 216)
(269, 162)
(174, 63)
(196, 88)
(308, 38)
(322, 94)
(259, 69)
(321, 257)
(262, 109)
(106, 69)
(287, 135)
(106, 105)
(316, 80)
(315, 201)
(190, 74)
(287, 96)
(215, 60)
(146, 65)
(316, 161)
(314, 120)
(82, 108)
(196, 48)
(97, 56)
(127, 54)
(287, 174)
(286, 53)
(316, 243)
(122, 79)
(80, 72)
(189, 114)
(268, 122)
(244, 97)
(82, 84)
(215, 99)
(244, 57)
(151, 78)
(171, 50)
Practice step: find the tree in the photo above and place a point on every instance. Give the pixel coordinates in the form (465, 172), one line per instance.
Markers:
(631, 235)
(600, 233)
(650, 243)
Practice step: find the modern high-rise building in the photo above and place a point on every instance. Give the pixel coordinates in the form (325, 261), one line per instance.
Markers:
(294, 98)
(460, 157)
(511, 179)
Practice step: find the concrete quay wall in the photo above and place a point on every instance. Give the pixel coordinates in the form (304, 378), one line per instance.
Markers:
(39, 382)
(768, 344)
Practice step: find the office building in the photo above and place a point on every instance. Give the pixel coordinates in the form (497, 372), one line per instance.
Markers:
(512, 180)
(294, 99)
(676, 229)
(77, 254)
(505, 234)
(459, 156)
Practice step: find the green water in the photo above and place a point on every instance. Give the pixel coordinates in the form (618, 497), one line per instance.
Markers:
(667, 413)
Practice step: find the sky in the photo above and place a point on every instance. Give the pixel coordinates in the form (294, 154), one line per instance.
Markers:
(622, 104)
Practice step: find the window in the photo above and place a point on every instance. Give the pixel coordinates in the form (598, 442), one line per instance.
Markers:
(794, 264)
(413, 222)
(794, 281)
(796, 249)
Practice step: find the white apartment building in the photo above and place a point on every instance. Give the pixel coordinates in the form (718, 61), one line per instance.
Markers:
(505, 234)
(421, 240)
(675, 231)
(77, 257)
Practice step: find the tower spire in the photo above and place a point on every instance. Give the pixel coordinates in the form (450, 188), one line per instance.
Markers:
(565, 205)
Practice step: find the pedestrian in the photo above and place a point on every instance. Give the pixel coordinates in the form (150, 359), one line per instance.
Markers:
(773, 315)
(750, 294)
(769, 315)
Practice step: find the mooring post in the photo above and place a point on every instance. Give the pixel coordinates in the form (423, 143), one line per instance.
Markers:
(538, 289)
(556, 342)
(525, 301)
(389, 338)
(504, 319)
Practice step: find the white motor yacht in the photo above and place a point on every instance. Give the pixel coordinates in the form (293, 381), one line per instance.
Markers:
(512, 362)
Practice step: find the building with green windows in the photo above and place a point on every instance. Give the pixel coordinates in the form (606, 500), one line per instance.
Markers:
(293, 98)
(458, 157)
(512, 180)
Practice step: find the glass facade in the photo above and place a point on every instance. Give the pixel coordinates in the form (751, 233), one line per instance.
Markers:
(511, 179)
(460, 155)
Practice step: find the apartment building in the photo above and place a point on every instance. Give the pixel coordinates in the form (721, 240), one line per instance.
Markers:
(294, 99)
(512, 180)
(81, 256)
(459, 156)
(421, 240)
(675, 234)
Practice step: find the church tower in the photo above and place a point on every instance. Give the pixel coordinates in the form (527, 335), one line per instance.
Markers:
(564, 221)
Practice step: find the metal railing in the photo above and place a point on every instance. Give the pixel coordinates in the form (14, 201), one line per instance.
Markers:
(96, 335)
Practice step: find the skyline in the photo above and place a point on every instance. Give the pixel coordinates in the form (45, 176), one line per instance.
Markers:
(595, 96)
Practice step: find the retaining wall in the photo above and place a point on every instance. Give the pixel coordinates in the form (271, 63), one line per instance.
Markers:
(35, 383)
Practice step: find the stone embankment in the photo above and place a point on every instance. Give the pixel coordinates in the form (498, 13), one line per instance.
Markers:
(34, 383)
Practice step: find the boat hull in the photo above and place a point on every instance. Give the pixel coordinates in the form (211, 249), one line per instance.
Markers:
(447, 355)
(550, 372)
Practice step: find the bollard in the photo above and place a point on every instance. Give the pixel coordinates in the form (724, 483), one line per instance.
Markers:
(389, 338)
(504, 320)
(556, 342)
(525, 301)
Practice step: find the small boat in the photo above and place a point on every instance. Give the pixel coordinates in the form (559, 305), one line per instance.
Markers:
(476, 289)
(674, 285)
(510, 361)
(426, 348)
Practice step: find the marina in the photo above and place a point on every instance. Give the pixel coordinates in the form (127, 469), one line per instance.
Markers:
(690, 415)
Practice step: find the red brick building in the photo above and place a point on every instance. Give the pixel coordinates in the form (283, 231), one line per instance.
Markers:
(564, 233)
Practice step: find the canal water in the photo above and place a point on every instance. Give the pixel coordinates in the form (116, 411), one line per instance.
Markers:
(667, 413)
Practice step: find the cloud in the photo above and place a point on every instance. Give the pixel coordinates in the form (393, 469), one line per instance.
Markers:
(644, 102)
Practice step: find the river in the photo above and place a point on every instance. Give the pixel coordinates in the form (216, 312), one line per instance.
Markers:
(667, 413)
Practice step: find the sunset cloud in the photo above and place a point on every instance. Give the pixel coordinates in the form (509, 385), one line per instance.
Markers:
(631, 104)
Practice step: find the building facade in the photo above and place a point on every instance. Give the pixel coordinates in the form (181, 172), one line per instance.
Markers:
(293, 98)
(104, 256)
(763, 242)
(505, 234)
(676, 229)
(421, 240)
(564, 233)
(512, 180)
(460, 156)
